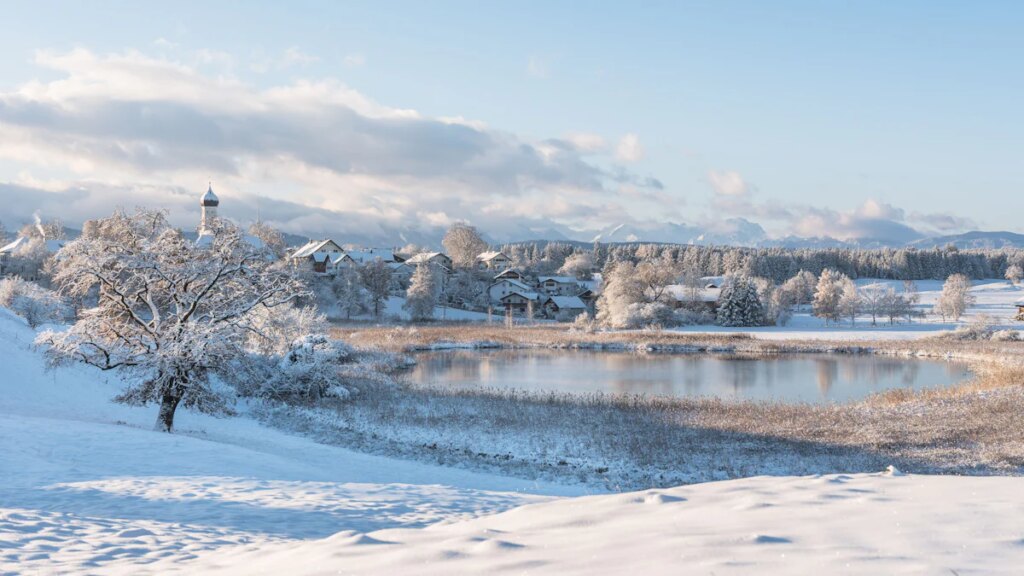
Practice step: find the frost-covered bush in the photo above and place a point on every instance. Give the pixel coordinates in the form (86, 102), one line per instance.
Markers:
(583, 323)
(1005, 336)
(690, 317)
(981, 328)
(309, 370)
(35, 304)
(642, 315)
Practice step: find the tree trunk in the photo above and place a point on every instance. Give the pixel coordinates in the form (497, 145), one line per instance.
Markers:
(168, 405)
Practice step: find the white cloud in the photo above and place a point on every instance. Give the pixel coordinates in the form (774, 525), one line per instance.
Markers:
(727, 183)
(114, 125)
(629, 148)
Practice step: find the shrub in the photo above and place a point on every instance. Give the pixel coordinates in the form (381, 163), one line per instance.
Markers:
(309, 370)
(35, 304)
(1005, 336)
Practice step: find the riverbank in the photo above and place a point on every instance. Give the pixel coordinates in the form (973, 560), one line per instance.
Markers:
(623, 442)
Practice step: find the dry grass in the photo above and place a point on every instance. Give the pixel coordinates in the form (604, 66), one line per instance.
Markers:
(628, 442)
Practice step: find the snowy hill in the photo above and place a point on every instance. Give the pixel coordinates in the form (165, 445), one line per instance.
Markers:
(87, 487)
(973, 241)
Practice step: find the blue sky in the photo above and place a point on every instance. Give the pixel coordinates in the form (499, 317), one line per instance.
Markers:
(811, 118)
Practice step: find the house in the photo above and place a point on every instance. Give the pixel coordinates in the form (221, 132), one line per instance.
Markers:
(589, 298)
(25, 244)
(318, 255)
(401, 275)
(564, 307)
(493, 260)
(706, 298)
(559, 285)
(506, 286)
(509, 274)
(362, 256)
(519, 302)
(433, 258)
(1020, 310)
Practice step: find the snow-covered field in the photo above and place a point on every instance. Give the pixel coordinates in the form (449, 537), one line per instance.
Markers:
(86, 487)
(994, 300)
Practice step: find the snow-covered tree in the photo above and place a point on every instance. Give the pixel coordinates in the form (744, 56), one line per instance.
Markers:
(463, 244)
(376, 277)
(693, 289)
(421, 297)
(309, 370)
(3, 234)
(35, 304)
(1014, 273)
(270, 236)
(579, 265)
(625, 285)
(912, 296)
(850, 302)
(827, 295)
(170, 315)
(275, 329)
(955, 297)
(467, 288)
(739, 303)
(350, 295)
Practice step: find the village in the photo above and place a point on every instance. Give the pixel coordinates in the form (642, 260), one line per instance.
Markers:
(352, 281)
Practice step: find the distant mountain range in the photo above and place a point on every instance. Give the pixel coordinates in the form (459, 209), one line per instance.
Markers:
(732, 232)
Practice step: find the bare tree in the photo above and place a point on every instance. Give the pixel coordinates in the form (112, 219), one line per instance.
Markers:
(874, 299)
(170, 314)
(463, 244)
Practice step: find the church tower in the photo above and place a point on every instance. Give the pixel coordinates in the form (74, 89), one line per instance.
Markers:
(209, 202)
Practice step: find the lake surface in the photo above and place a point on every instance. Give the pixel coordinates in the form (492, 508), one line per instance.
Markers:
(791, 378)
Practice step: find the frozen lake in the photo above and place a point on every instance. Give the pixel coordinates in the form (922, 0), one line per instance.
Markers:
(791, 378)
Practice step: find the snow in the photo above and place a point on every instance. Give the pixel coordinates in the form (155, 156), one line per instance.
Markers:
(837, 524)
(87, 487)
(85, 483)
(393, 308)
(995, 300)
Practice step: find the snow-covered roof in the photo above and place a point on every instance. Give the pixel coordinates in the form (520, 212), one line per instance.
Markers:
(52, 246)
(424, 257)
(514, 284)
(363, 256)
(559, 279)
(681, 293)
(510, 272)
(315, 246)
(566, 302)
(524, 294)
(209, 198)
(13, 245)
(1020, 302)
(485, 256)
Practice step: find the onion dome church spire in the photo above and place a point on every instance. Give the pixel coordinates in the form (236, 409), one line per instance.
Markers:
(209, 202)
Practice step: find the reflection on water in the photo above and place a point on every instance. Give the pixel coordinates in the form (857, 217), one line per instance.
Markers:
(804, 378)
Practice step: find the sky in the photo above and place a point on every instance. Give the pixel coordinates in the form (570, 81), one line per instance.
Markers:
(844, 119)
